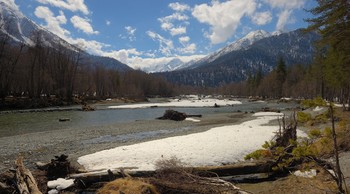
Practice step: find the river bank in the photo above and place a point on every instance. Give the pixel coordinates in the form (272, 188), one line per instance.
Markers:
(42, 146)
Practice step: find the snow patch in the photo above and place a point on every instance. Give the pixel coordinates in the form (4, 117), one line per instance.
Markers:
(60, 184)
(182, 103)
(193, 120)
(216, 146)
(306, 174)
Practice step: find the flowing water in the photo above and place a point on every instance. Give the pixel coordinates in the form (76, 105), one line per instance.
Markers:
(22, 122)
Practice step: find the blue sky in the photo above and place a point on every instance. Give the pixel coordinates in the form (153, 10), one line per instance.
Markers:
(143, 33)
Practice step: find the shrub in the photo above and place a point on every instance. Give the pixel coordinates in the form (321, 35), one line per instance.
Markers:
(315, 133)
(258, 154)
(318, 101)
(303, 117)
(327, 132)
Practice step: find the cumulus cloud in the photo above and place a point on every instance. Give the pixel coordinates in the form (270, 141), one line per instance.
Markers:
(72, 5)
(167, 23)
(83, 25)
(123, 55)
(165, 45)
(262, 18)
(53, 23)
(91, 46)
(10, 3)
(179, 7)
(223, 17)
(108, 22)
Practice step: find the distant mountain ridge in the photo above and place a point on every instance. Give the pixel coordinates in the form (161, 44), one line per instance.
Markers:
(257, 51)
(23, 30)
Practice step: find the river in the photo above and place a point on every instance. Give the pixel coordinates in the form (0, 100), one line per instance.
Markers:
(23, 122)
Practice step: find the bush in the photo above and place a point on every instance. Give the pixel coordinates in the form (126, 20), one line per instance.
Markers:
(303, 117)
(315, 133)
(258, 154)
(318, 101)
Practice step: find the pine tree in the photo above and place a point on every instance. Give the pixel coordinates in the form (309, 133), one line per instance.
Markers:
(332, 21)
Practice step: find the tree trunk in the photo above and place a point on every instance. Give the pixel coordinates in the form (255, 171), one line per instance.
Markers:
(339, 173)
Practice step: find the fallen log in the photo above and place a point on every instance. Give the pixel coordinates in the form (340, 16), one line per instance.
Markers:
(238, 169)
(83, 180)
(24, 179)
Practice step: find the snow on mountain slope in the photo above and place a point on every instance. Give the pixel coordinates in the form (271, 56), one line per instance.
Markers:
(21, 29)
(240, 44)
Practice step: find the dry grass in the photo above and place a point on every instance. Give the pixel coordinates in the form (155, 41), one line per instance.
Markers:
(128, 186)
(324, 145)
(322, 183)
(173, 177)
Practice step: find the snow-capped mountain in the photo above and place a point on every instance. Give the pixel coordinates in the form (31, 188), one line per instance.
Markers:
(240, 44)
(173, 64)
(21, 29)
(257, 51)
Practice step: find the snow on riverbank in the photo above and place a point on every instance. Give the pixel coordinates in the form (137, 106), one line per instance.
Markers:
(216, 146)
(207, 102)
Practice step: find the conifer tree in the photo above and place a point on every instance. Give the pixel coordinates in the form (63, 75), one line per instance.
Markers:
(332, 22)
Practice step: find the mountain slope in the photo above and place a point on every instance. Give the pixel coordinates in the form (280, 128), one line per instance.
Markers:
(23, 30)
(240, 44)
(294, 47)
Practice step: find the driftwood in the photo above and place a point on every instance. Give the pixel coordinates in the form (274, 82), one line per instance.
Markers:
(84, 180)
(238, 169)
(24, 179)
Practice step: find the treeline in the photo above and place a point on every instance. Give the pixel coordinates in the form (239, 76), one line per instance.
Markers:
(38, 75)
(295, 81)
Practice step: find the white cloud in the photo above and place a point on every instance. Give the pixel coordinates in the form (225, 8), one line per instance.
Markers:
(284, 18)
(83, 25)
(11, 3)
(131, 32)
(91, 46)
(262, 18)
(178, 31)
(166, 26)
(165, 45)
(72, 5)
(188, 49)
(184, 39)
(179, 7)
(53, 23)
(286, 4)
(224, 17)
(174, 17)
(108, 22)
(123, 55)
